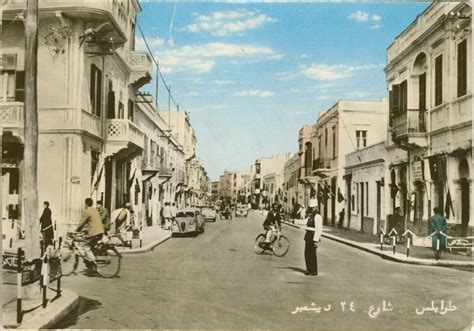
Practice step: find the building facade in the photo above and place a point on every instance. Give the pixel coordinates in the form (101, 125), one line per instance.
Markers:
(344, 128)
(290, 183)
(429, 142)
(364, 191)
(86, 105)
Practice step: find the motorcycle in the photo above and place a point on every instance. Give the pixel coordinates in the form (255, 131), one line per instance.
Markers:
(226, 213)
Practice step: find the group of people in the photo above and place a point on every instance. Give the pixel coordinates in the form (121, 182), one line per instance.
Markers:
(314, 228)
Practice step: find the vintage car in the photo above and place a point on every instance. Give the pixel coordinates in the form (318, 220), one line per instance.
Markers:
(208, 213)
(241, 210)
(188, 220)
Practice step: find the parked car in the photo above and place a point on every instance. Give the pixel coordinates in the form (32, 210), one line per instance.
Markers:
(208, 213)
(188, 220)
(241, 210)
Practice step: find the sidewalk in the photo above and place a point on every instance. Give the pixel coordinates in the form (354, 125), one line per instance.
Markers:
(371, 244)
(40, 318)
(152, 236)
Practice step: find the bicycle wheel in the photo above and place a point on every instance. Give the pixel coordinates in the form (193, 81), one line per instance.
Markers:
(260, 238)
(116, 240)
(108, 261)
(69, 260)
(280, 246)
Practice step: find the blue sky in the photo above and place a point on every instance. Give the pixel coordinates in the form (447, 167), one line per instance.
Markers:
(252, 74)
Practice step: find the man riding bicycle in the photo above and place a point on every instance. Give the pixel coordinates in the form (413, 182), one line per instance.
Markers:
(271, 224)
(95, 229)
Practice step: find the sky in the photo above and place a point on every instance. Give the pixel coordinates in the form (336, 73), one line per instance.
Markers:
(251, 74)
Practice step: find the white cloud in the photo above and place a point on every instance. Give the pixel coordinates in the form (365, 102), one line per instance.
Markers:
(202, 58)
(153, 43)
(286, 75)
(324, 97)
(362, 17)
(229, 22)
(376, 26)
(376, 17)
(303, 56)
(295, 90)
(255, 93)
(359, 16)
(326, 72)
(222, 82)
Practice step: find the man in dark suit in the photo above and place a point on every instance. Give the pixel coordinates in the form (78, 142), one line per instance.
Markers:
(47, 225)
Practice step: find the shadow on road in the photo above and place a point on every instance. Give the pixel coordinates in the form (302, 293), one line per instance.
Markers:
(302, 271)
(85, 305)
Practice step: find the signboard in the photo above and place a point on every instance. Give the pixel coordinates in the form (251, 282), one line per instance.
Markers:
(464, 242)
(54, 268)
(417, 169)
(31, 272)
(10, 261)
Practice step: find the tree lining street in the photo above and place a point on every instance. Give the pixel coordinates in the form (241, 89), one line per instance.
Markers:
(215, 280)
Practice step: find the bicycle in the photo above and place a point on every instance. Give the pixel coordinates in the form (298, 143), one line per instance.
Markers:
(279, 245)
(107, 258)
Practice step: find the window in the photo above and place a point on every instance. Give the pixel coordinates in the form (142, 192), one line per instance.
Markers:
(462, 68)
(94, 162)
(439, 80)
(361, 138)
(131, 110)
(398, 98)
(366, 198)
(96, 89)
(326, 138)
(12, 81)
(121, 111)
(334, 142)
(358, 205)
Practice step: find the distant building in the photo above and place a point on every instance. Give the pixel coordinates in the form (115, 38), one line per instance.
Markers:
(233, 186)
(429, 141)
(262, 167)
(346, 127)
(290, 183)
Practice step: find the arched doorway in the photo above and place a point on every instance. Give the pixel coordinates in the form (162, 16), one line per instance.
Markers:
(464, 176)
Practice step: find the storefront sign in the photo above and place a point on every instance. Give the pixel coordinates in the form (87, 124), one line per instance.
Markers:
(417, 169)
(31, 272)
(465, 242)
(75, 179)
(10, 261)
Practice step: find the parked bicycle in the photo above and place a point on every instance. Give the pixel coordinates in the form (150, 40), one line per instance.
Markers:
(107, 258)
(279, 244)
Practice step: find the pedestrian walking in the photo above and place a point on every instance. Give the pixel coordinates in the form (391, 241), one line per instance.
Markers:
(439, 224)
(121, 217)
(46, 222)
(104, 215)
(312, 238)
(167, 215)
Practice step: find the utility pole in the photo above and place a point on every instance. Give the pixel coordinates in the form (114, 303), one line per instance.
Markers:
(30, 167)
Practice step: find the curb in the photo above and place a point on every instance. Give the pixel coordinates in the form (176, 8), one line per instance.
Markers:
(145, 248)
(62, 307)
(389, 256)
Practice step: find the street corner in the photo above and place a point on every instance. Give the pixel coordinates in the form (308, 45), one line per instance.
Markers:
(42, 318)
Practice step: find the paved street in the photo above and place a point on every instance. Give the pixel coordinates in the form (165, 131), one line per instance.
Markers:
(216, 280)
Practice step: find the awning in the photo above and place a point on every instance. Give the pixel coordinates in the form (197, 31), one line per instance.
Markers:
(148, 174)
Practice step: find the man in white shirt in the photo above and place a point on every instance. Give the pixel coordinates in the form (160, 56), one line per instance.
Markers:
(167, 215)
(312, 238)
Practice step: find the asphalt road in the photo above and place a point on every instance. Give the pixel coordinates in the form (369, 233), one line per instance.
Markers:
(215, 280)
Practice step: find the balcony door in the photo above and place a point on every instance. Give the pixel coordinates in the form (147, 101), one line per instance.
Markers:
(422, 101)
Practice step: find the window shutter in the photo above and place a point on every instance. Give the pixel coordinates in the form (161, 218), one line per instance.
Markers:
(20, 86)
(462, 68)
(438, 80)
(395, 99)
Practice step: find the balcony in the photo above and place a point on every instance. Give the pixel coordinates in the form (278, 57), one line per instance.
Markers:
(123, 136)
(11, 117)
(91, 11)
(141, 65)
(318, 163)
(409, 128)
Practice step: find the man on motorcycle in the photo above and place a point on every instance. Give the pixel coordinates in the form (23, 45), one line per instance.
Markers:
(271, 224)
